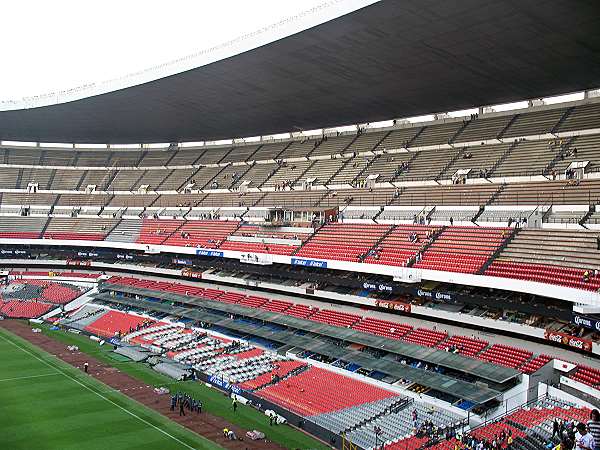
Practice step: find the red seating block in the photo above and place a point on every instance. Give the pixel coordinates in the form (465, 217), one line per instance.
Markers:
(563, 276)
(202, 233)
(114, 322)
(425, 337)
(463, 249)
(466, 346)
(505, 355)
(345, 242)
(383, 327)
(317, 391)
(24, 309)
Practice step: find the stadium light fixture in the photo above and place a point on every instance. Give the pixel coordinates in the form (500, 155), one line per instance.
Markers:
(125, 146)
(416, 119)
(19, 143)
(192, 144)
(564, 98)
(277, 136)
(157, 145)
(55, 145)
(91, 146)
(381, 124)
(510, 106)
(463, 112)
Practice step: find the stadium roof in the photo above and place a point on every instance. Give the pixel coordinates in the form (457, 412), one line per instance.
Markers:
(390, 59)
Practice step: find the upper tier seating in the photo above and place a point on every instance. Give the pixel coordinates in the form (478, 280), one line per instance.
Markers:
(563, 276)
(333, 145)
(437, 134)
(526, 158)
(347, 242)
(158, 231)
(534, 123)
(204, 233)
(21, 227)
(273, 151)
(483, 129)
(581, 118)
(587, 192)
(462, 249)
(128, 230)
(397, 247)
(480, 160)
(574, 249)
(260, 240)
(75, 228)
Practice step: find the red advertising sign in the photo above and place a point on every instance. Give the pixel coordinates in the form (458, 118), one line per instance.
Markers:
(568, 340)
(398, 306)
(77, 262)
(190, 273)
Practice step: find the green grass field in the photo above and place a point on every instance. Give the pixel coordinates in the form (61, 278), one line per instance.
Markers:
(47, 404)
(68, 395)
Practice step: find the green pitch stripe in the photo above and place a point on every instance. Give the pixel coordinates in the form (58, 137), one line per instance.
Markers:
(66, 410)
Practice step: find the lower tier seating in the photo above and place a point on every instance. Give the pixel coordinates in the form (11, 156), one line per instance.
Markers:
(505, 355)
(425, 337)
(24, 309)
(463, 345)
(116, 322)
(317, 391)
(383, 328)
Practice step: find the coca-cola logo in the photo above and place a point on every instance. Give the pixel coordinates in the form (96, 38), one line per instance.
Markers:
(571, 341)
(555, 338)
(577, 343)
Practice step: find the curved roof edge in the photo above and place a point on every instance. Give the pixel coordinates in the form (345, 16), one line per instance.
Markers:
(305, 20)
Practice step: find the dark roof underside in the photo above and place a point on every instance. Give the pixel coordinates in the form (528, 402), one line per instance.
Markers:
(393, 59)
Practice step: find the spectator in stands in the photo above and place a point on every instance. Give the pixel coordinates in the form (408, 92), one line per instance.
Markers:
(556, 427)
(566, 443)
(593, 426)
(583, 439)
